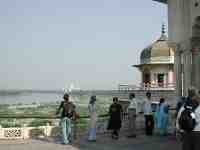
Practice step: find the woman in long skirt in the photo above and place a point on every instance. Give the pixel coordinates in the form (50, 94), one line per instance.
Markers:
(115, 112)
(93, 119)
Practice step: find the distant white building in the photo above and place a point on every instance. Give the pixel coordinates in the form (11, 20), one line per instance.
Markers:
(70, 88)
(73, 88)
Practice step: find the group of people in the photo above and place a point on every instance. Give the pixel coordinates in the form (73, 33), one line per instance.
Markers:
(68, 113)
(187, 122)
(159, 118)
(187, 118)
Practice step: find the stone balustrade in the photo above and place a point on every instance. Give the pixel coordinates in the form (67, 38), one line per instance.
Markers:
(24, 132)
(147, 86)
(54, 130)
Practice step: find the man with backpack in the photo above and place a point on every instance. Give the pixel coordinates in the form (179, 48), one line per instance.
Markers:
(180, 103)
(188, 121)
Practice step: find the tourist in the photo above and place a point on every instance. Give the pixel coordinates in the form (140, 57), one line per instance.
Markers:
(115, 112)
(132, 113)
(93, 118)
(68, 112)
(148, 114)
(190, 139)
(162, 117)
(179, 104)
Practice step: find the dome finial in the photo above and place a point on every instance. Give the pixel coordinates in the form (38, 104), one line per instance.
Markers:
(163, 29)
(163, 36)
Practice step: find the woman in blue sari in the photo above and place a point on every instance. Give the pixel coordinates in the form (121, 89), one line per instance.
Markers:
(162, 117)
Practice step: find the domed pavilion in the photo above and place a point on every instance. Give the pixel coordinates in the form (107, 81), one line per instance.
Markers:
(157, 64)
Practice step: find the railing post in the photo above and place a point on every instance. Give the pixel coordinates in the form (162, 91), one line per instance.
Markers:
(75, 130)
(47, 130)
(25, 131)
(1, 132)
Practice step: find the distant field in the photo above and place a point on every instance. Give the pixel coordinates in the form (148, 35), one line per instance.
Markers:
(49, 109)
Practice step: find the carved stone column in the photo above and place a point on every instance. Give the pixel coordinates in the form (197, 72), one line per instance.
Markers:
(195, 42)
(186, 62)
(177, 67)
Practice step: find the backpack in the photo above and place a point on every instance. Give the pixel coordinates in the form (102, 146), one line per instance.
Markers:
(187, 119)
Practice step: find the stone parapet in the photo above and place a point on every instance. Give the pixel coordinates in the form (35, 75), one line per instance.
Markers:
(54, 131)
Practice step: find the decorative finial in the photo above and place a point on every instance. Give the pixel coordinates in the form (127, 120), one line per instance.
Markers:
(163, 29)
(163, 37)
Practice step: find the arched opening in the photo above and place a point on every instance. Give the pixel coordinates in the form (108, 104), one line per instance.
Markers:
(146, 76)
(160, 77)
(196, 28)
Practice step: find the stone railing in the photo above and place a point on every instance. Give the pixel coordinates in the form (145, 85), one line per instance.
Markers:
(49, 129)
(54, 130)
(147, 86)
(158, 86)
(25, 132)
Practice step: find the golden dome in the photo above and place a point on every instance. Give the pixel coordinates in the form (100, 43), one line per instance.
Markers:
(158, 52)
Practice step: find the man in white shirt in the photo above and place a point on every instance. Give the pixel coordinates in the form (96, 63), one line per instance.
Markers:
(132, 113)
(190, 140)
(148, 114)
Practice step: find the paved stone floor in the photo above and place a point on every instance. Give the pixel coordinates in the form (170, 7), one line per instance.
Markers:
(103, 143)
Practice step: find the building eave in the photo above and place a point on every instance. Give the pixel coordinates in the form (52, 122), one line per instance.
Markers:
(151, 64)
(161, 1)
(137, 66)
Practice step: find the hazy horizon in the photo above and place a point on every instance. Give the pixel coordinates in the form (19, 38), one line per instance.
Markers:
(48, 44)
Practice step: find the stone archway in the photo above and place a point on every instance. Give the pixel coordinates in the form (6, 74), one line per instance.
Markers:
(195, 49)
(146, 76)
(196, 28)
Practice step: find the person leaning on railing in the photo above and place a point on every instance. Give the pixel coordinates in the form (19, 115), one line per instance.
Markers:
(68, 113)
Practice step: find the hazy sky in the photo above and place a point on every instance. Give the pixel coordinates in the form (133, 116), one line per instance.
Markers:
(48, 44)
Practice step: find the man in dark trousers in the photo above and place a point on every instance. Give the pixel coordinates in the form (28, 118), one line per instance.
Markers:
(148, 114)
(132, 113)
